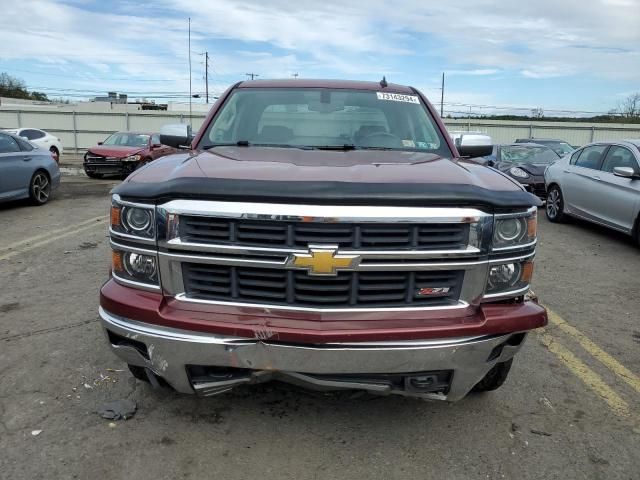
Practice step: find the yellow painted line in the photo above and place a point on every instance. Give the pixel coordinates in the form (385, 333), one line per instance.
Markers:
(31, 243)
(598, 353)
(588, 376)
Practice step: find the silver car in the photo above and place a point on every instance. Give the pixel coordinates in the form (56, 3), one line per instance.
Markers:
(599, 182)
(26, 171)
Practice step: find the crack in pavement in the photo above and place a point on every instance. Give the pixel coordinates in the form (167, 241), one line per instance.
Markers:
(42, 331)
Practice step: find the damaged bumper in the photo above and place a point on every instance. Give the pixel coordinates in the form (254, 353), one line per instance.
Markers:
(207, 363)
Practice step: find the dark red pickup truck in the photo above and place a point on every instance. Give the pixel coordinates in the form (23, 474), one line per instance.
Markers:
(323, 233)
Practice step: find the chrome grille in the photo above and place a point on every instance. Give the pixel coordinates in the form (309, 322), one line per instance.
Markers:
(296, 288)
(282, 234)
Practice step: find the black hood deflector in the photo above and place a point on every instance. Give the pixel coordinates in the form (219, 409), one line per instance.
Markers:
(327, 193)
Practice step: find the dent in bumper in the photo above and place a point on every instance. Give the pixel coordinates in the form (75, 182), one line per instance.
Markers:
(169, 351)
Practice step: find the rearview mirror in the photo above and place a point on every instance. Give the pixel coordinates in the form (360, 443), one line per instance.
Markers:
(176, 135)
(626, 172)
(99, 143)
(474, 145)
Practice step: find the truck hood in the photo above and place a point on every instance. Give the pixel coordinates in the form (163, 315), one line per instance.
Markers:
(114, 151)
(356, 176)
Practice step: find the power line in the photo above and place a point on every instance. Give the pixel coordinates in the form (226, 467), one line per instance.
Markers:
(252, 75)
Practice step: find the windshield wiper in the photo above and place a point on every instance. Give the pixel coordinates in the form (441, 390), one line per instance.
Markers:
(342, 148)
(240, 143)
(246, 143)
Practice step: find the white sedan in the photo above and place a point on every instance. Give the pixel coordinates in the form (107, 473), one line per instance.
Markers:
(42, 139)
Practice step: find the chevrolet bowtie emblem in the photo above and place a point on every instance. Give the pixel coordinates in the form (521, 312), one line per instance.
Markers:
(323, 260)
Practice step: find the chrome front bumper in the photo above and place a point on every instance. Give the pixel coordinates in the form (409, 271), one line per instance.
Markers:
(167, 352)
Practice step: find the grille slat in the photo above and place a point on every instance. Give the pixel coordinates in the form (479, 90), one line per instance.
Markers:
(283, 234)
(297, 288)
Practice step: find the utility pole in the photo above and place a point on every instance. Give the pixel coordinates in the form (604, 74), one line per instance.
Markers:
(190, 71)
(294, 75)
(252, 75)
(442, 98)
(206, 75)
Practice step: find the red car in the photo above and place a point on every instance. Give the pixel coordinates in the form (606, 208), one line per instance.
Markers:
(325, 233)
(123, 152)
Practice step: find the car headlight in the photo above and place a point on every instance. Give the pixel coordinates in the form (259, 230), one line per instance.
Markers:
(518, 172)
(133, 219)
(135, 267)
(509, 277)
(514, 230)
(131, 158)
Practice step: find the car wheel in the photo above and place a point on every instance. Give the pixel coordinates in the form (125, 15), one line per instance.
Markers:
(555, 205)
(55, 154)
(93, 174)
(494, 378)
(39, 188)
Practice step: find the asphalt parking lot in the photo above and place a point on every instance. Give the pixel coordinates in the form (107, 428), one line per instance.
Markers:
(570, 408)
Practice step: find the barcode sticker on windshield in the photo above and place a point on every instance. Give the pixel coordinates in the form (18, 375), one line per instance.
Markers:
(398, 97)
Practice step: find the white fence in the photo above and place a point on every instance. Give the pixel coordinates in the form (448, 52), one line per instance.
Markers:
(80, 130)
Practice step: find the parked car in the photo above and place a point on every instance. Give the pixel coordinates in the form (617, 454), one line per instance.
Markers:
(599, 182)
(42, 139)
(559, 146)
(525, 162)
(26, 171)
(470, 138)
(123, 152)
(325, 233)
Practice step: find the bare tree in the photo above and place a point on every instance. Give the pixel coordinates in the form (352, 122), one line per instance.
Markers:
(630, 106)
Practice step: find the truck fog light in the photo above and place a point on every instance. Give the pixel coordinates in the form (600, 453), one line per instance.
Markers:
(138, 219)
(140, 267)
(502, 277)
(509, 277)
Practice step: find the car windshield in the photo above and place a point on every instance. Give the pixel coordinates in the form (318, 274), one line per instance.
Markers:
(325, 118)
(127, 140)
(562, 148)
(527, 154)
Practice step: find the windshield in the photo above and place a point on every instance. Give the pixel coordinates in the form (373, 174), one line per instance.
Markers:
(562, 148)
(127, 140)
(518, 154)
(325, 118)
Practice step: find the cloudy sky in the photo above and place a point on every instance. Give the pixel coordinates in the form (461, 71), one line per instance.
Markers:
(581, 55)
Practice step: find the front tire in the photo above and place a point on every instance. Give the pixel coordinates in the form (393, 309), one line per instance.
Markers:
(555, 205)
(39, 188)
(494, 377)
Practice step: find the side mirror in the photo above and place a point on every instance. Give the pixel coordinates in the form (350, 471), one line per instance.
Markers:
(626, 172)
(155, 145)
(99, 143)
(474, 145)
(176, 135)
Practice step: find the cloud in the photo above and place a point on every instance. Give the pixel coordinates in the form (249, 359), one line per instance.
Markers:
(132, 45)
(475, 72)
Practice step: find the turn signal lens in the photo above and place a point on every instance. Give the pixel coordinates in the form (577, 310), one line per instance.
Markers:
(532, 226)
(115, 216)
(527, 272)
(116, 261)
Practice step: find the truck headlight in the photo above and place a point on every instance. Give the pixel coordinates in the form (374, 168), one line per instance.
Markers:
(135, 267)
(509, 277)
(513, 230)
(132, 219)
(518, 172)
